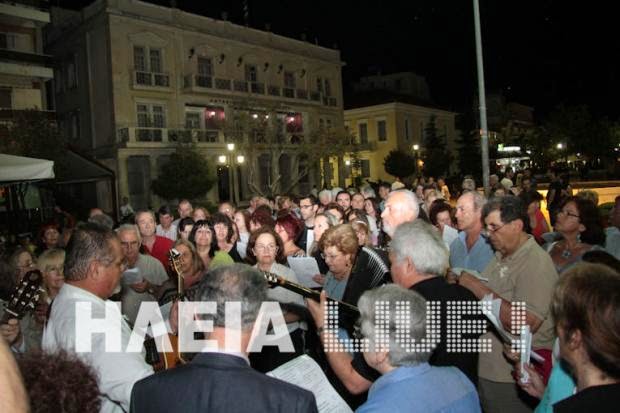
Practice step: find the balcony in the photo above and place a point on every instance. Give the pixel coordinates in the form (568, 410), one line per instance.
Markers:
(32, 10)
(204, 84)
(151, 79)
(9, 115)
(136, 136)
(20, 63)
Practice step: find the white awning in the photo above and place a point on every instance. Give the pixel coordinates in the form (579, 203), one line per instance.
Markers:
(15, 169)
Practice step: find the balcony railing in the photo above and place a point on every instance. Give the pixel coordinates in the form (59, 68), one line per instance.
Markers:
(155, 79)
(138, 135)
(17, 56)
(198, 82)
(13, 114)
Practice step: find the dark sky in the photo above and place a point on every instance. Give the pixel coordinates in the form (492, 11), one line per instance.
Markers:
(538, 52)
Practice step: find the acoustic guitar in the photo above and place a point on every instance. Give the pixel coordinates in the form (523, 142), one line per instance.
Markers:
(24, 297)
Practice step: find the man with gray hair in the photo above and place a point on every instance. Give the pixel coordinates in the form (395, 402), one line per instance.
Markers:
(400, 206)
(408, 381)
(419, 260)
(93, 266)
(144, 274)
(221, 380)
(470, 250)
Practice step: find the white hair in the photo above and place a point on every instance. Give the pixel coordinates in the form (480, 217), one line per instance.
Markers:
(368, 191)
(422, 244)
(335, 191)
(326, 193)
(411, 201)
(393, 294)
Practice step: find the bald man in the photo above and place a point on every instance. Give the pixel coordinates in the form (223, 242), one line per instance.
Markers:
(400, 206)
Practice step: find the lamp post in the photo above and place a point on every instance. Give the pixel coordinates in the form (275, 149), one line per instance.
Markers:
(416, 148)
(232, 179)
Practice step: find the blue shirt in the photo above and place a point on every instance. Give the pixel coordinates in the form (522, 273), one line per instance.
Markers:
(475, 259)
(422, 388)
(612, 241)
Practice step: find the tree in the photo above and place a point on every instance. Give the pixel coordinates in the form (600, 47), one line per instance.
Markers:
(34, 134)
(399, 164)
(436, 157)
(270, 133)
(185, 175)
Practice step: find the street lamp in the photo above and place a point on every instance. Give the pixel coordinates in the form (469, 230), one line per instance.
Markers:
(232, 179)
(416, 148)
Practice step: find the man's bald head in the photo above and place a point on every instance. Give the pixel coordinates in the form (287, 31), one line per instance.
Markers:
(400, 206)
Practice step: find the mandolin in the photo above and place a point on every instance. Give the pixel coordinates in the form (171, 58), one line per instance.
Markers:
(168, 360)
(24, 297)
(275, 280)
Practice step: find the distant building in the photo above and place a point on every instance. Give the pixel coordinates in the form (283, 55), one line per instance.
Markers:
(395, 125)
(403, 83)
(25, 71)
(141, 78)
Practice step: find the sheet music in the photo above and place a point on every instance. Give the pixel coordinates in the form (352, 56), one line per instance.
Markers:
(304, 372)
(132, 276)
(305, 268)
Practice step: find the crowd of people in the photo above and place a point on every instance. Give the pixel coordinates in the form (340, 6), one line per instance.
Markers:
(420, 244)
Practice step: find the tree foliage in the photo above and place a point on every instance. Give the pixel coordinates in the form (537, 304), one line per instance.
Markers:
(399, 164)
(185, 175)
(33, 134)
(436, 157)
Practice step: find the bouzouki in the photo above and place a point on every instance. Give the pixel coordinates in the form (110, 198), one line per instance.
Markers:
(275, 280)
(24, 297)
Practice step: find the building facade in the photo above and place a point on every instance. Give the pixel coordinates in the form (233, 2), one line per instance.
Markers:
(25, 70)
(389, 126)
(143, 78)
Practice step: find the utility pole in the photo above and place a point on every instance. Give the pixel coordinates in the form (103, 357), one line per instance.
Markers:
(484, 133)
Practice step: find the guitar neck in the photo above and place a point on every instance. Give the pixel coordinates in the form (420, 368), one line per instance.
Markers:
(306, 292)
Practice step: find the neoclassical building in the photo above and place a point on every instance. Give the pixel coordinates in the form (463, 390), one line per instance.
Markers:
(145, 78)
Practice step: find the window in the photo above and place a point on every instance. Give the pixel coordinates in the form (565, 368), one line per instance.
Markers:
(251, 75)
(205, 66)
(147, 59)
(74, 125)
(328, 123)
(328, 88)
(381, 130)
(289, 80)
(151, 116)
(407, 129)
(319, 84)
(7, 41)
(365, 166)
(363, 132)
(192, 120)
(5, 98)
(71, 73)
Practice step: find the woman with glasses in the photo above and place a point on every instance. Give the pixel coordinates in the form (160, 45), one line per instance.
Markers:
(353, 269)
(266, 252)
(578, 221)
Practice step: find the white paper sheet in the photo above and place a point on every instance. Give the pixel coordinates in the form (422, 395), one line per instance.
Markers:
(132, 276)
(304, 372)
(305, 268)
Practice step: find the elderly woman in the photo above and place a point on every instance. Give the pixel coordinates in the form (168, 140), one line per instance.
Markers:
(242, 225)
(225, 235)
(352, 269)
(289, 227)
(51, 264)
(538, 224)
(184, 228)
(585, 308)
(407, 383)
(579, 223)
(203, 238)
(265, 252)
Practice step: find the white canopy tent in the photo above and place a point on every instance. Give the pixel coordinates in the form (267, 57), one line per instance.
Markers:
(16, 169)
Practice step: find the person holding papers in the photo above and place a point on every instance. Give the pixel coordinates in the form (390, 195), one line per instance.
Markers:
(266, 252)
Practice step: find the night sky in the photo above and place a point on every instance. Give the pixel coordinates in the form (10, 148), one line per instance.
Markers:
(538, 52)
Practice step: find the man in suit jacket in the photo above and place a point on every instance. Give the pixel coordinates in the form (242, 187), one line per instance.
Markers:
(221, 380)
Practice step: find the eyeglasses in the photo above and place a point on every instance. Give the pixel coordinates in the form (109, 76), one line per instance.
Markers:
(330, 257)
(568, 213)
(262, 248)
(490, 229)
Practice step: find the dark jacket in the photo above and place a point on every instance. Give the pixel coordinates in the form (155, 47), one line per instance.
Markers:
(216, 382)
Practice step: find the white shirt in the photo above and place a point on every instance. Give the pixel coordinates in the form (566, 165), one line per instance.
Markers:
(151, 270)
(117, 371)
(449, 234)
(170, 233)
